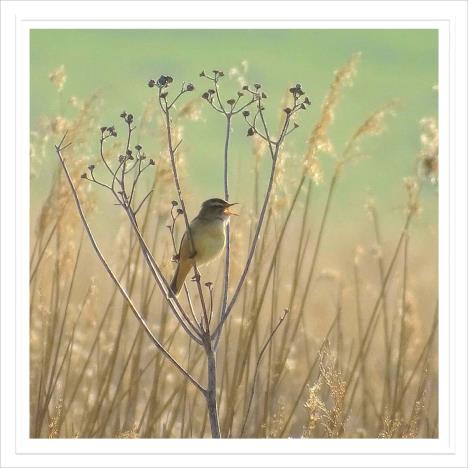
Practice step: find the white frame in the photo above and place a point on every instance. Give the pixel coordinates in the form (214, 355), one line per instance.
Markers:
(17, 449)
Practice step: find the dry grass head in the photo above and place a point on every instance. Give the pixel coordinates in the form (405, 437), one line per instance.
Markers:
(58, 78)
(373, 125)
(259, 147)
(325, 404)
(319, 141)
(391, 426)
(412, 188)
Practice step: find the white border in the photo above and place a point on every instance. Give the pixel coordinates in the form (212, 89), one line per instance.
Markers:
(17, 448)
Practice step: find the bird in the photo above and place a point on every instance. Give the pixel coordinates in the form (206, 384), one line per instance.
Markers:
(208, 232)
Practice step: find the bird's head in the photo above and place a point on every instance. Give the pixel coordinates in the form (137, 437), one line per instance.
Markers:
(216, 208)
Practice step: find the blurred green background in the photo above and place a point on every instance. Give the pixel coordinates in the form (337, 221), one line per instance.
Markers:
(118, 63)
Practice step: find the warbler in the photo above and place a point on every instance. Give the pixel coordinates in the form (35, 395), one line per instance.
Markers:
(208, 233)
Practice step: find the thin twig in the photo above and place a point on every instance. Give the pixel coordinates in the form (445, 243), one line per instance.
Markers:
(274, 149)
(257, 366)
(142, 202)
(135, 311)
(165, 109)
(228, 230)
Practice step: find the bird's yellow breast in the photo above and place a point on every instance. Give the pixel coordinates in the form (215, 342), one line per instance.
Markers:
(209, 239)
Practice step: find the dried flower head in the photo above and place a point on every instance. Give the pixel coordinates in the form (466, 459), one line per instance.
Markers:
(58, 78)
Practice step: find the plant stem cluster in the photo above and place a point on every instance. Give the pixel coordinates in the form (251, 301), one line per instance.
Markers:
(123, 178)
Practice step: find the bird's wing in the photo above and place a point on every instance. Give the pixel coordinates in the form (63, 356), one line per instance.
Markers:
(185, 249)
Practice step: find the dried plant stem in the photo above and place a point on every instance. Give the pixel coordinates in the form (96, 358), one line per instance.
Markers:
(378, 238)
(274, 150)
(135, 311)
(365, 344)
(318, 242)
(357, 287)
(43, 250)
(50, 386)
(210, 392)
(190, 328)
(403, 339)
(228, 229)
(422, 357)
(125, 202)
(166, 111)
(246, 345)
(257, 366)
(308, 377)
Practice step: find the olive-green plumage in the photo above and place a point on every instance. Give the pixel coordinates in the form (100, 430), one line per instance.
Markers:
(208, 231)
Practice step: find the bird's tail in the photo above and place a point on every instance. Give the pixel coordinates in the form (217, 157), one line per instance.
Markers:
(183, 267)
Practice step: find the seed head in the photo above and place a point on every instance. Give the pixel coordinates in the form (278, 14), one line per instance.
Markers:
(164, 81)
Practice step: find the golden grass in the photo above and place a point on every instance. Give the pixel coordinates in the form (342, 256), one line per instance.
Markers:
(355, 357)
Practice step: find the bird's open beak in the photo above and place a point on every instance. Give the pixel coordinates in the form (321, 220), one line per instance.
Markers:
(228, 211)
